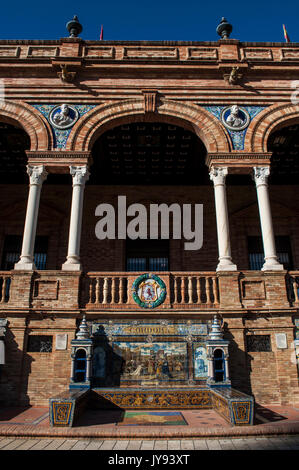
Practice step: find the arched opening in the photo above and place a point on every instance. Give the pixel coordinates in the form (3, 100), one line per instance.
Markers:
(80, 366)
(14, 141)
(14, 183)
(148, 163)
(219, 365)
(148, 153)
(284, 143)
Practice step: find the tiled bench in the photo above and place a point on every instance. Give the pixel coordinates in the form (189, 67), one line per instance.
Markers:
(234, 406)
(66, 407)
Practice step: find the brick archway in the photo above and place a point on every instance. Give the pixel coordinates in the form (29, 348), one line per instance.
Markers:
(25, 116)
(270, 119)
(111, 114)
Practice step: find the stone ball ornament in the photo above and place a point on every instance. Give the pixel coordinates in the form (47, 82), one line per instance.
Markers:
(235, 118)
(63, 116)
(224, 29)
(149, 291)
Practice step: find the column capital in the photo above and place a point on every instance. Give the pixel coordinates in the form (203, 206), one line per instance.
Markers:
(260, 175)
(218, 175)
(80, 174)
(37, 174)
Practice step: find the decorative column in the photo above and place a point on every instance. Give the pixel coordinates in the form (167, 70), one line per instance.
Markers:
(218, 175)
(214, 343)
(80, 175)
(83, 343)
(260, 177)
(37, 175)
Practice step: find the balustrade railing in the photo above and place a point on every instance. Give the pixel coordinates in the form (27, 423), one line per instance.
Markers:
(111, 289)
(5, 280)
(105, 288)
(198, 288)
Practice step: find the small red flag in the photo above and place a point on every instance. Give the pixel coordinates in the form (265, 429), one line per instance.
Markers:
(102, 33)
(285, 34)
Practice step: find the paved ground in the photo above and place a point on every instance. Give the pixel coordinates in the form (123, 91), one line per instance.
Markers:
(251, 443)
(96, 426)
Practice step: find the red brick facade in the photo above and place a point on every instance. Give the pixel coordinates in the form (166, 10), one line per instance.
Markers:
(136, 82)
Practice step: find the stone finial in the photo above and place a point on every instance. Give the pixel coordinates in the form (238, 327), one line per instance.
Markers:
(83, 332)
(216, 332)
(74, 27)
(224, 29)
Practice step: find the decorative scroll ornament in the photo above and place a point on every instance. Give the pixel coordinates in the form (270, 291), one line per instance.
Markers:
(37, 174)
(235, 118)
(260, 175)
(218, 175)
(63, 116)
(148, 291)
(80, 174)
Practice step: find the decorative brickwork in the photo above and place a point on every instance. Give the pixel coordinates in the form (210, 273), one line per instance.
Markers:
(189, 85)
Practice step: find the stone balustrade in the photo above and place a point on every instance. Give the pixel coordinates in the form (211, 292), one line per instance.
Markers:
(188, 289)
(199, 291)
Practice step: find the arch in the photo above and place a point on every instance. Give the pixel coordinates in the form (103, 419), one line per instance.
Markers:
(270, 119)
(192, 117)
(80, 368)
(219, 364)
(23, 115)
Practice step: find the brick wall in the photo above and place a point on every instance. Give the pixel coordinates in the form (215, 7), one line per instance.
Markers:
(33, 377)
(271, 377)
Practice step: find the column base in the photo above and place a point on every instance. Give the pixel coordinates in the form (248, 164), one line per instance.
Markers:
(72, 263)
(272, 267)
(272, 264)
(226, 267)
(25, 266)
(226, 264)
(71, 266)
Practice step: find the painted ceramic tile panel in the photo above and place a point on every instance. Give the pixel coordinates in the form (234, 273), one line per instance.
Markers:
(141, 328)
(154, 362)
(200, 361)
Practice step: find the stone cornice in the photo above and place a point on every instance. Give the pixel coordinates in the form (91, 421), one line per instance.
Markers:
(239, 160)
(59, 154)
(57, 161)
(239, 156)
(148, 43)
(182, 52)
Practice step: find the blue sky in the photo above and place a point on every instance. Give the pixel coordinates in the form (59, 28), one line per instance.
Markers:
(186, 20)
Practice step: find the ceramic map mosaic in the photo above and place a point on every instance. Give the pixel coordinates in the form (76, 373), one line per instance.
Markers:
(146, 418)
